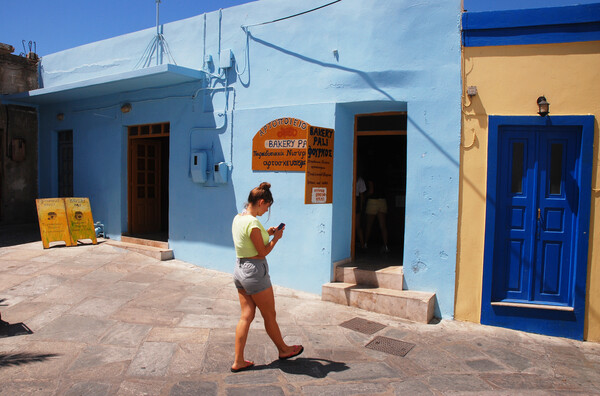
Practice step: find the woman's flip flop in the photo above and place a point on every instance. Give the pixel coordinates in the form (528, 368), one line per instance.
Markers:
(246, 367)
(294, 354)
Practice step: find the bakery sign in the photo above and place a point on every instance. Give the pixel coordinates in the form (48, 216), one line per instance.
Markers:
(280, 145)
(290, 144)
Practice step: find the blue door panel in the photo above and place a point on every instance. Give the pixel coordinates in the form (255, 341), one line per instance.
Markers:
(537, 220)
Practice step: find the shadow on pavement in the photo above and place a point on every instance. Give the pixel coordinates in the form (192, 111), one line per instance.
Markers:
(316, 368)
(18, 359)
(18, 234)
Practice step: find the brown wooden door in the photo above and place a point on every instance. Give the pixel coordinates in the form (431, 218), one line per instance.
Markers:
(144, 188)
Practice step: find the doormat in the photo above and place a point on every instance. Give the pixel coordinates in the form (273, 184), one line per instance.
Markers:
(390, 345)
(363, 326)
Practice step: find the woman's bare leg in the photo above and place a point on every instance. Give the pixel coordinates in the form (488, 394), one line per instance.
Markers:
(265, 301)
(243, 326)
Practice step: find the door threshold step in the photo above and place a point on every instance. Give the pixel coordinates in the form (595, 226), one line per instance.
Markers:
(390, 277)
(412, 305)
(150, 251)
(145, 242)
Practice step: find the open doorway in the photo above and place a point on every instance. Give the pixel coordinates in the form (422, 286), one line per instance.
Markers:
(148, 181)
(379, 216)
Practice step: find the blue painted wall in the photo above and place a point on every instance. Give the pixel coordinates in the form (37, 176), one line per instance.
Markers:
(391, 55)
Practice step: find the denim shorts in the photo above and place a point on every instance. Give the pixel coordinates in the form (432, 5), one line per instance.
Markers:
(252, 275)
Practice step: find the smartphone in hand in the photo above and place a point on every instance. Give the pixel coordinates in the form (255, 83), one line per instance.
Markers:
(280, 226)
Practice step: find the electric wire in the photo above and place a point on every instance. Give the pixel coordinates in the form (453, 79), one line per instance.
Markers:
(291, 16)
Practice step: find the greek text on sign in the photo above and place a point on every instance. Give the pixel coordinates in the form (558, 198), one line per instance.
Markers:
(280, 145)
(319, 166)
(319, 195)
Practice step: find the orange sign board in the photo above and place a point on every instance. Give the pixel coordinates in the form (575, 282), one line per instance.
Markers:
(319, 166)
(53, 221)
(81, 222)
(280, 145)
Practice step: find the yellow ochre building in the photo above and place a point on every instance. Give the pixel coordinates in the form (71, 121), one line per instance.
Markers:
(528, 254)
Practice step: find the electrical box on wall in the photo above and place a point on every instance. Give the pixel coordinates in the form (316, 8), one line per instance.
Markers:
(221, 173)
(225, 60)
(198, 166)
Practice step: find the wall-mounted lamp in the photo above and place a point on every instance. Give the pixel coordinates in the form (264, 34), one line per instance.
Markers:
(126, 108)
(544, 106)
(60, 116)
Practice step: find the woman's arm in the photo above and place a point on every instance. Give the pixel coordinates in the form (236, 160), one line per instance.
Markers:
(262, 249)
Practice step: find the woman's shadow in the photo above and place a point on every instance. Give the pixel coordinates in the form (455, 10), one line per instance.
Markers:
(316, 368)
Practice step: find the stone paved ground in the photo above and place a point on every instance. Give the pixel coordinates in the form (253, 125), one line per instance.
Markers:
(105, 321)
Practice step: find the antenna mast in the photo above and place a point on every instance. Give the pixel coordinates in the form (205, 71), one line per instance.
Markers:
(157, 45)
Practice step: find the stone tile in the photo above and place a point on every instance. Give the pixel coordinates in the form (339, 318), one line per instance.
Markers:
(29, 388)
(464, 350)
(219, 357)
(141, 388)
(74, 328)
(521, 381)
(67, 271)
(98, 306)
(365, 371)
(23, 311)
(142, 277)
(511, 358)
(147, 315)
(253, 377)
(104, 277)
(179, 335)
(436, 360)
(191, 388)
(88, 388)
(483, 365)
(22, 254)
(411, 387)
(121, 289)
(9, 281)
(39, 361)
(209, 321)
(209, 306)
(456, 383)
(69, 292)
(152, 360)
(345, 389)
(126, 334)
(41, 284)
(270, 390)
(48, 315)
(99, 362)
(95, 356)
(188, 359)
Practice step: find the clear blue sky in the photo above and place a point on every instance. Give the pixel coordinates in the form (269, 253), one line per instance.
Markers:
(56, 25)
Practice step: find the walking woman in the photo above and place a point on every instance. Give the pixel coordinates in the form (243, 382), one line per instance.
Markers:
(251, 275)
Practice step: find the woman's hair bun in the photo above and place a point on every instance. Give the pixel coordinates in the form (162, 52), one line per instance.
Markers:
(264, 186)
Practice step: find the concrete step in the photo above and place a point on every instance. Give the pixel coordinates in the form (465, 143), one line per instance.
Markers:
(407, 304)
(391, 277)
(145, 242)
(150, 251)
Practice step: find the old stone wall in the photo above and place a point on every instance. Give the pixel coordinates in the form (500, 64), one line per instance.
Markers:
(18, 142)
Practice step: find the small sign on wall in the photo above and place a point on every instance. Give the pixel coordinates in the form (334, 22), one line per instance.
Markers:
(280, 145)
(319, 166)
(290, 144)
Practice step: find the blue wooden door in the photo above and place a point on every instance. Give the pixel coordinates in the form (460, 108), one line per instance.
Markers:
(537, 223)
(536, 213)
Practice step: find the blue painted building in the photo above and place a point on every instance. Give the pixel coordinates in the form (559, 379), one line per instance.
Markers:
(152, 98)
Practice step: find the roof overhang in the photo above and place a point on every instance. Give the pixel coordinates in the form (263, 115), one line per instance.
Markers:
(150, 77)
